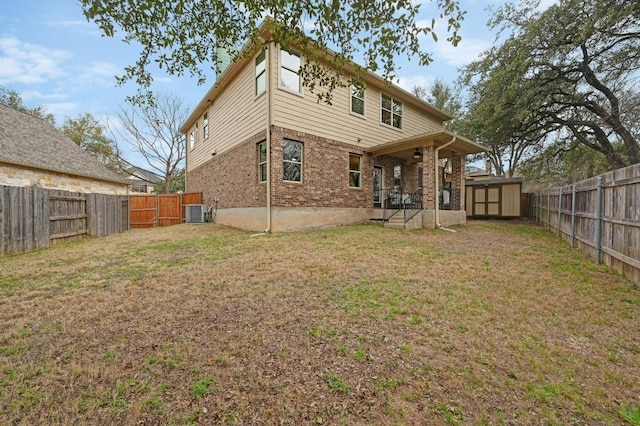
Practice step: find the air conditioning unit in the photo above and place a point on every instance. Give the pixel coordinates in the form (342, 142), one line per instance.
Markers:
(196, 213)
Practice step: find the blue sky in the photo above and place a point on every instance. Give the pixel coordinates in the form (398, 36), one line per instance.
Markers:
(53, 57)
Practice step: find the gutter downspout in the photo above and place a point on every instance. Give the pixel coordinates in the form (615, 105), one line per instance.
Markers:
(268, 136)
(437, 172)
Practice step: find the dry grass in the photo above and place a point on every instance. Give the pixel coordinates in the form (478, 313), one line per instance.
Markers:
(500, 323)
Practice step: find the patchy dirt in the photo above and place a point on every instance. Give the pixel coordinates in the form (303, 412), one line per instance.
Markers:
(499, 323)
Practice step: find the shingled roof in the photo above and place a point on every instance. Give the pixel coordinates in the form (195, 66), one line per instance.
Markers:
(29, 141)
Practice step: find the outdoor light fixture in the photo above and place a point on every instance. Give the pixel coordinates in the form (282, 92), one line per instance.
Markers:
(417, 154)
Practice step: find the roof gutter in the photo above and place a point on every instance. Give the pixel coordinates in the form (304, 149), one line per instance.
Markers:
(437, 215)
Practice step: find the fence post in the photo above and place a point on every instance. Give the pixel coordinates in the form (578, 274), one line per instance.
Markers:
(560, 212)
(549, 210)
(573, 215)
(599, 221)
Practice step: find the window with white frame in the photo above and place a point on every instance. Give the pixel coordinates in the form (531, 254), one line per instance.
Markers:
(261, 73)
(192, 140)
(391, 112)
(262, 161)
(289, 68)
(291, 160)
(196, 134)
(355, 171)
(205, 125)
(357, 100)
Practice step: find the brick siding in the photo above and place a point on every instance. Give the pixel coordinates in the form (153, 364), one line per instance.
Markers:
(233, 175)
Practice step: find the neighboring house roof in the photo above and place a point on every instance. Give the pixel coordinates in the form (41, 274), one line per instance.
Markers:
(29, 141)
(137, 173)
(245, 58)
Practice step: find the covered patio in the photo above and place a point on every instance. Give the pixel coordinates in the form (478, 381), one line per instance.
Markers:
(422, 155)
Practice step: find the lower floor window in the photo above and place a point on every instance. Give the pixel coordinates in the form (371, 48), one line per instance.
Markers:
(355, 170)
(262, 161)
(291, 160)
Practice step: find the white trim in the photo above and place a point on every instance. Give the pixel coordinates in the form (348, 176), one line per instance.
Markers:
(256, 75)
(391, 126)
(300, 91)
(364, 103)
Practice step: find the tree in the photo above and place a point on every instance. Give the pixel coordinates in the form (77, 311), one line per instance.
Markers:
(177, 183)
(443, 97)
(13, 99)
(559, 77)
(91, 136)
(153, 131)
(185, 36)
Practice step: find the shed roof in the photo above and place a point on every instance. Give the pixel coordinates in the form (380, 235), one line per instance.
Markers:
(29, 141)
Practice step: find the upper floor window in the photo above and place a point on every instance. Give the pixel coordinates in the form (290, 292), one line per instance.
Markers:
(192, 140)
(289, 68)
(261, 73)
(262, 161)
(292, 160)
(205, 125)
(196, 134)
(357, 100)
(391, 112)
(355, 171)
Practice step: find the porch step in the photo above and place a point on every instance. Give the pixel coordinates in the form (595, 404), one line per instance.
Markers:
(395, 222)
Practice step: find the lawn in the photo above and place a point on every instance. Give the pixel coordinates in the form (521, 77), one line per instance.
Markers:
(499, 323)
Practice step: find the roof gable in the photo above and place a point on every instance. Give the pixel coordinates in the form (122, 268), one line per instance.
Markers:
(30, 141)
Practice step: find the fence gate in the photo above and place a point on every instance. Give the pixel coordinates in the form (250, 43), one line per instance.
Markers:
(147, 211)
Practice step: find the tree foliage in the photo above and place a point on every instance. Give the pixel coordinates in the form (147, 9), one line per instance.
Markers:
(153, 131)
(185, 36)
(13, 99)
(560, 77)
(90, 135)
(444, 97)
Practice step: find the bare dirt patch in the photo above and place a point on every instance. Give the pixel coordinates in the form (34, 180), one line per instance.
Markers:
(497, 323)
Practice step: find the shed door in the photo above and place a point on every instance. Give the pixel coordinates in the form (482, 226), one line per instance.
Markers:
(486, 201)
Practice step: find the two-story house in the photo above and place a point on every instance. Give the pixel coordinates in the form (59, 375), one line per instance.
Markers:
(271, 157)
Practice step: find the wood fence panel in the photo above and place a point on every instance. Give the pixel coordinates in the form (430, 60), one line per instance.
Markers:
(142, 210)
(146, 211)
(602, 219)
(67, 217)
(189, 198)
(169, 209)
(124, 214)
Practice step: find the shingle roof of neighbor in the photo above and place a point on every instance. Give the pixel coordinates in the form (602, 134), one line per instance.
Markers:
(30, 141)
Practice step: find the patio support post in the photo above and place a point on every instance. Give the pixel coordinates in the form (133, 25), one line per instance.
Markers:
(457, 182)
(429, 191)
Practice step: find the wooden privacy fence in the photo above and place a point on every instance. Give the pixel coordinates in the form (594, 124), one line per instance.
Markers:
(33, 218)
(147, 211)
(600, 215)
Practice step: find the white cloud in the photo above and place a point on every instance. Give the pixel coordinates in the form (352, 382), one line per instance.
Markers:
(27, 63)
(468, 50)
(29, 95)
(408, 83)
(62, 109)
(99, 73)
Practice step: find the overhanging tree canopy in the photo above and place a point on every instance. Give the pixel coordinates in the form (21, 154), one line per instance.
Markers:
(564, 72)
(184, 36)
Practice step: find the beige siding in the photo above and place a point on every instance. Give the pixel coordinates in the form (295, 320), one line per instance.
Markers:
(336, 122)
(511, 200)
(236, 115)
(469, 200)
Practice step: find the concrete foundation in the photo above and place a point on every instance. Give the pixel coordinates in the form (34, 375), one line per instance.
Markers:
(447, 218)
(286, 219)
